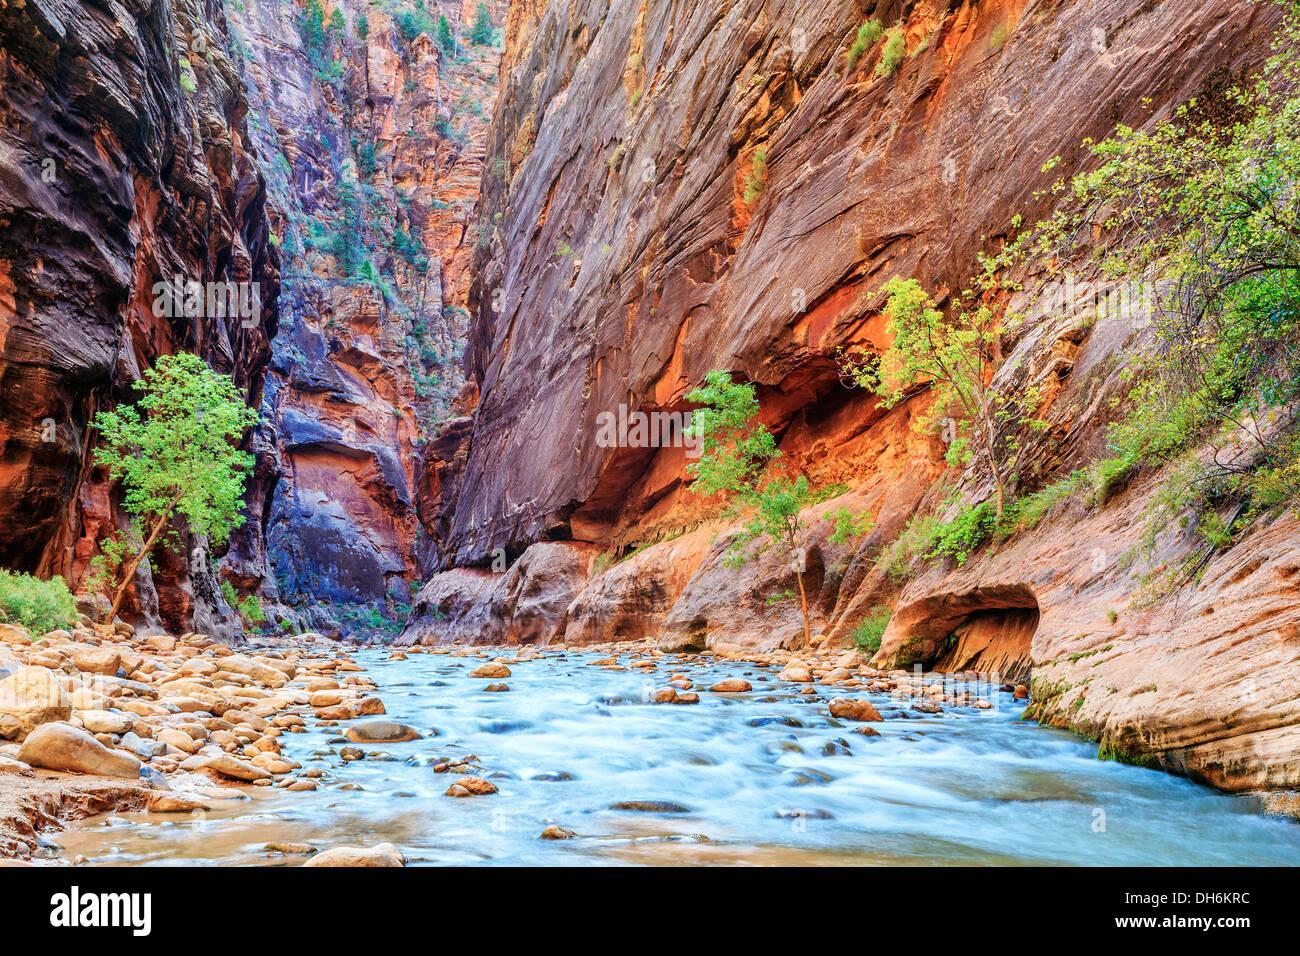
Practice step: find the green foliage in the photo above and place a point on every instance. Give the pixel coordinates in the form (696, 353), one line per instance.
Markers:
(848, 524)
(443, 36)
(175, 452)
(480, 31)
(1202, 207)
(738, 457)
(953, 352)
(893, 51)
(249, 607)
(914, 541)
(311, 29)
(362, 26)
(868, 34)
(39, 606)
(871, 628)
(963, 534)
(755, 182)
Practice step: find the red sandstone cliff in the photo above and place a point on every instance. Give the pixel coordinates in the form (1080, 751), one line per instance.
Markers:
(626, 260)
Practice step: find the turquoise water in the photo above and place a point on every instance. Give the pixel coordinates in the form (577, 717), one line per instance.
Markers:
(570, 740)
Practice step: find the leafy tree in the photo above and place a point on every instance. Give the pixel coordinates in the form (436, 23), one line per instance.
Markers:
(362, 26)
(480, 31)
(955, 353)
(175, 453)
(739, 458)
(1203, 208)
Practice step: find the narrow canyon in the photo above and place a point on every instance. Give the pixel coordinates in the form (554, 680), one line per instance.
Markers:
(496, 250)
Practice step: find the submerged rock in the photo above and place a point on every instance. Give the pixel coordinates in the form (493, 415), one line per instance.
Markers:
(382, 854)
(381, 732)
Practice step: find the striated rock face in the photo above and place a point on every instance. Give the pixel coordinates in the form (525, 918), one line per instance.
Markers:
(671, 188)
(374, 151)
(627, 261)
(163, 139)
(120, 166)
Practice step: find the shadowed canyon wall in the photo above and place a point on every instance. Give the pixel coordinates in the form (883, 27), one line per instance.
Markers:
(676, 187)
(338, 168)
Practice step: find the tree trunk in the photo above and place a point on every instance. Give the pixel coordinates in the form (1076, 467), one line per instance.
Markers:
(803, 600)
(135, 562)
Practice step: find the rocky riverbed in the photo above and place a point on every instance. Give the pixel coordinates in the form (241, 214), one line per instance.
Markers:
(154, 749)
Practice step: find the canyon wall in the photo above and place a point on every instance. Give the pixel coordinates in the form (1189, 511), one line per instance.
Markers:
(122, 163)
(330, 154)
(671, 188)
(372, 136)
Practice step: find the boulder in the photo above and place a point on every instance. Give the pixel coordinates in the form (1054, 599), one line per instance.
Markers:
(732, 685)
(848, 708)
(490, 670)
(90, 659)
(29, 697)
(60, 746)
(105, 721)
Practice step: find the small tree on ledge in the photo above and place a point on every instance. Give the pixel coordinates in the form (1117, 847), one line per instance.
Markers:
(739, 458)
(956, 353)
(176, 452)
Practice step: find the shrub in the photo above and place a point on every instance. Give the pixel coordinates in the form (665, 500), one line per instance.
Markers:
(868, 34)
(960, 537)
(894, 50)
(755, 181)
(37, 605)
(871, 628)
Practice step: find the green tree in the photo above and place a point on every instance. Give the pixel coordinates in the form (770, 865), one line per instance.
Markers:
(955, 353)
(311, 28)
(480, 31)
(739, 457)
(175, 452)
(444, 38)
(1202, 209)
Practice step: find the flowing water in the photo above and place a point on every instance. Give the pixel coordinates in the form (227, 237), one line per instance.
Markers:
(760, 778)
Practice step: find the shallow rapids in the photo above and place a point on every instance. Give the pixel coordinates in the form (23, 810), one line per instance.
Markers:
(767, 777)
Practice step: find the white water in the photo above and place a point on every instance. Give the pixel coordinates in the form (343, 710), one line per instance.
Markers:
(965, 787)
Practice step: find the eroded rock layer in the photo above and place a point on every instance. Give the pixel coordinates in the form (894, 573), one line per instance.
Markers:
(672, 188)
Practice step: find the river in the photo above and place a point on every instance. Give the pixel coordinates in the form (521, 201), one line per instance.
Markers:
(767, 777)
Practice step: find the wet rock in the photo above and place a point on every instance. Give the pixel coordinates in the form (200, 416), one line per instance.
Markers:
(471, 787)
(352, 753)
(732, 685)
(174, 803)
(867, 731)
(554, 832)
(1021, 692)
(233, 767)
(689, 698)
(490, 670)
(496, 688)
(664, 695)
(774, 719)
(797, 673)
(290, 848)
(59, 746)
(848, 708)
(383, 854)
(552, 776)
(649, 806)
(381, 732)
(800, 813)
